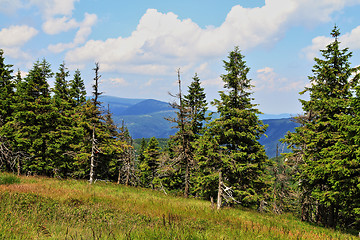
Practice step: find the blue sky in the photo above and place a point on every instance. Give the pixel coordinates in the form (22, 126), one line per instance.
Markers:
(140, 44)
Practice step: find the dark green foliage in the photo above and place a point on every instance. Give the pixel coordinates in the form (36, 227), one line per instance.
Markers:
(7, 100)
(324, 146)
(230, 144)
(195, 102)
(51, 133)
(150, 163)
(77, 89)
(6, 90)
(189, 120)
(6, 179)
(33, 120)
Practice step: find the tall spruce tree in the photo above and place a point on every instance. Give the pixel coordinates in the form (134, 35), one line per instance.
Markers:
(195, 101)
(190, 118)
(6, 90)
(328, 167)
(181, 142)
(33, 119)
(65, 134)
(229, 152)
(7, 100)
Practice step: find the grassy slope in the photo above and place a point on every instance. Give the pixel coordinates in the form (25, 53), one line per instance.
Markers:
(42, 208)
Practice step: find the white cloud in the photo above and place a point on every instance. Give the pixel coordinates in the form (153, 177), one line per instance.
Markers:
(85, 28)
(267, 79)
(350, 40)
(9, 6)
(16, 36)
(163, 42)
(217, 81)
(58, 25)
(52, 8)
(55, 27)
(118, 81)
(318, 43)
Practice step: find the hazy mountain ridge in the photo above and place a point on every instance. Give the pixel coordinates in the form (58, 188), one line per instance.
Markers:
(146, 118)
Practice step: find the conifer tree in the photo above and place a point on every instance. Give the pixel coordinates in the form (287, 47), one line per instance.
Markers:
(66, 132)
(33, 119)
(143, 145)
(149, 166)
(7, 99)
(181, 140)
(229, 152)
(328, 166)
(190, 118)
(195, 101)
(6, 90)
(77, 89)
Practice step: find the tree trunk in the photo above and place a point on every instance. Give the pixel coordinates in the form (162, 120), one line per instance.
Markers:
(187, 176)
(119, 176)
(127, 178)
(219, 192)
(18, 165)
(92, 160)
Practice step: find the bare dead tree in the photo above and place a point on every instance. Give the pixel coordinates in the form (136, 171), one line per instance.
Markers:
(184, 149)
(96, 104)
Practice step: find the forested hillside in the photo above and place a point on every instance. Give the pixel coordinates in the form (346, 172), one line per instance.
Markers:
(146, 118)
(59, 132)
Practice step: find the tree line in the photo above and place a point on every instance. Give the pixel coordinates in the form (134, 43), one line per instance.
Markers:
(59, 132)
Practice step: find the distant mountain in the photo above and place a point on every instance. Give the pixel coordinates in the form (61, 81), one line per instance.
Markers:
(147, 107)
(118, 105)
(275, 116)
(276, 130)
(145, 118)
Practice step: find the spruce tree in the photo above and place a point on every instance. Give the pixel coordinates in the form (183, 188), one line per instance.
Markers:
(7, 100)
(189, 120)
(229, 152)
(6, 90)
(66, 132)
(77, 89)
(195, 101)
(327, 166)
(150, 164)
(33, 119)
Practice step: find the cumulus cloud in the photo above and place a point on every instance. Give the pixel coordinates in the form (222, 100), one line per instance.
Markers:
(267, 79)
(9, 6)
(85, 28)
(16, 36)
(162, 39)
(58, 25)
(350, 40)
(52, 8)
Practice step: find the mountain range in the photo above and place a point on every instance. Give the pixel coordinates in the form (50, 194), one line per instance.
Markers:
(145, 118)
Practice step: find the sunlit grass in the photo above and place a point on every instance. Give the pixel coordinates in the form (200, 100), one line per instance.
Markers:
(43, 208)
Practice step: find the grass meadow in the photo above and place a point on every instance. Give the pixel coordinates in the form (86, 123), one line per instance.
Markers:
(48, 208)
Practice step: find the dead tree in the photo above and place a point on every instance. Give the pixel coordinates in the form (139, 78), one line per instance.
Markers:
(96, 116)
(184, 150)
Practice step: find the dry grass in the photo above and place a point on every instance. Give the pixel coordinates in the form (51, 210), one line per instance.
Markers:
(43, 208)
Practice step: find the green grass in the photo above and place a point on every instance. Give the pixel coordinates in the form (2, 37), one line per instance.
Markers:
(43, 208)
(8, 179)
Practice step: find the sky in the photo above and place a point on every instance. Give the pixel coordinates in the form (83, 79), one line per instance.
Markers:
(141, 44)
